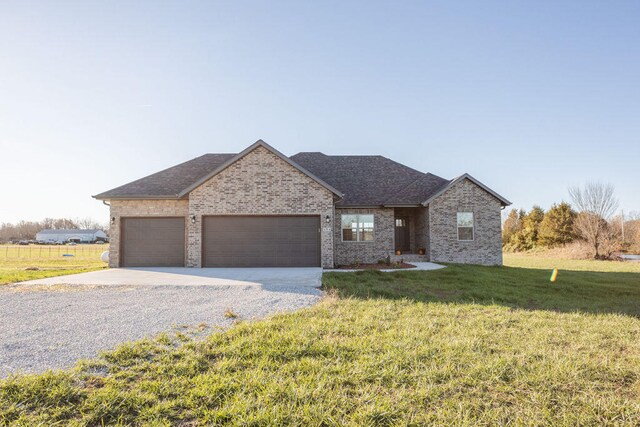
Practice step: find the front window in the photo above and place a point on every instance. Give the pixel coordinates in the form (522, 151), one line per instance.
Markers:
(357, 228)
(465, 226)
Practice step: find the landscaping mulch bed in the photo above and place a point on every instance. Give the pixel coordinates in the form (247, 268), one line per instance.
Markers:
(394, 266)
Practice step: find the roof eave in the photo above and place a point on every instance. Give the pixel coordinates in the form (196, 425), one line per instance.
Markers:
(379, 206)
(139, 197)
(359, 206)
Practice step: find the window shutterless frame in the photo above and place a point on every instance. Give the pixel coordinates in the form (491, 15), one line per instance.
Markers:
(465, 226)
(357, 227)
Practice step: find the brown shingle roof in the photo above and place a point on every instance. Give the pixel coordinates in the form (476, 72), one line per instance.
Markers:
(363, 180)
(170, 182)
(371, 180)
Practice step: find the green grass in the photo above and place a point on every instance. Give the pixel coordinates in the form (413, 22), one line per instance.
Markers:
(468, 346)
(528, 288)
(14, 260)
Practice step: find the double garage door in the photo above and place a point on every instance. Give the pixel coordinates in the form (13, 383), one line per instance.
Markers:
(227, 241)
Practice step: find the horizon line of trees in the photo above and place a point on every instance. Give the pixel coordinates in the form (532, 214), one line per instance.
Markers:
(592, 221)
(27, 230)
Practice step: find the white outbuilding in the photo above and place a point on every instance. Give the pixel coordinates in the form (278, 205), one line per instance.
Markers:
(64, 236)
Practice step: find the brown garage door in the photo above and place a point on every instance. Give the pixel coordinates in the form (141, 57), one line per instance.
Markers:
(152, 242)
(261, 241)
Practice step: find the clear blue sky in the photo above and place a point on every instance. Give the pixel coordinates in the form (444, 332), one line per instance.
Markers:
(528, 97)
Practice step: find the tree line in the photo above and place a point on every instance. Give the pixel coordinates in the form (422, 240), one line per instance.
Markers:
(26, 230)
(591, 220)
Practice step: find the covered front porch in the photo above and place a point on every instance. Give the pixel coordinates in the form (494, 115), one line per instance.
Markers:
(372, 235)
(411, 234)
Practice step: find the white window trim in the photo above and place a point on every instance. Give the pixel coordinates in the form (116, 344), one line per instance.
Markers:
(357, 232)
(473, 228)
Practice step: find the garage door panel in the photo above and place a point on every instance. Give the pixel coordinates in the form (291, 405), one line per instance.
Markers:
(153, 242)
(251, 241)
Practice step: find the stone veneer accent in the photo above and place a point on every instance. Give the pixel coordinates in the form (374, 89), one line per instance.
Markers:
(139, 208)
(260, 183)
(465, 196)
(366, 252)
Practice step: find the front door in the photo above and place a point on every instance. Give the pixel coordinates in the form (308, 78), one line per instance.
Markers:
(402, 234)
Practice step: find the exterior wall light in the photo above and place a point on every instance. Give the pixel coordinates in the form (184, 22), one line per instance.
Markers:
(113, 220)
(193, 219)
(327, 219)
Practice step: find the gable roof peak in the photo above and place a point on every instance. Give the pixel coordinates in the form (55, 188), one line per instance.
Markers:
(462, 177)
(240, 155)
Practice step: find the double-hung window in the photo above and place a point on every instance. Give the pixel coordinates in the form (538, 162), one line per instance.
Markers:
(465, 226)
(357, 228)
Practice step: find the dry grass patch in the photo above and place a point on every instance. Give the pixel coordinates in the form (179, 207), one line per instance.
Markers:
(548, 261)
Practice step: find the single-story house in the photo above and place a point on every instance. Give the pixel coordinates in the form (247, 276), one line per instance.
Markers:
(70, 235)
(262, 208)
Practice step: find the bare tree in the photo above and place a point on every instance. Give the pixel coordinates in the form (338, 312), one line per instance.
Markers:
(91, 224)
(87, 223)
(596, 204)
(632, 231)
(64, 224)
(26, 230)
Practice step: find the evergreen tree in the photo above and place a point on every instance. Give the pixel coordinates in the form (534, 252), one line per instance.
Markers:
(527, 237)
(557, 226)
(511, 226)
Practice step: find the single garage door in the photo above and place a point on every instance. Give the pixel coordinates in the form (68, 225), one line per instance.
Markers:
(261, 241)
(152, 242)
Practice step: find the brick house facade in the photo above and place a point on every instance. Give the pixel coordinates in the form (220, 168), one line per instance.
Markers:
(260, 183)
(305, 202)
(486, 247)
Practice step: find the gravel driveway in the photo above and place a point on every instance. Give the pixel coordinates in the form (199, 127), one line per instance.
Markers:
(51, 323)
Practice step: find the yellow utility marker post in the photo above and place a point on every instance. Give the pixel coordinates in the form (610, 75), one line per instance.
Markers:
(554, 275)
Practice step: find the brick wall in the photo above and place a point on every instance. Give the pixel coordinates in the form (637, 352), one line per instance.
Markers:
(367, 252)
(465, 196)
(260, 183)
(138, 208)
(422, 229)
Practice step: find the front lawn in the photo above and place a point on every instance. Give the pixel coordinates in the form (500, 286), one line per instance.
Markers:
(464, 346)
(516, 287)
(19, 270)
(20, 263)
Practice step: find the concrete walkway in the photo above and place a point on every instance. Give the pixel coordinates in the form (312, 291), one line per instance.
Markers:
(420, 266)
